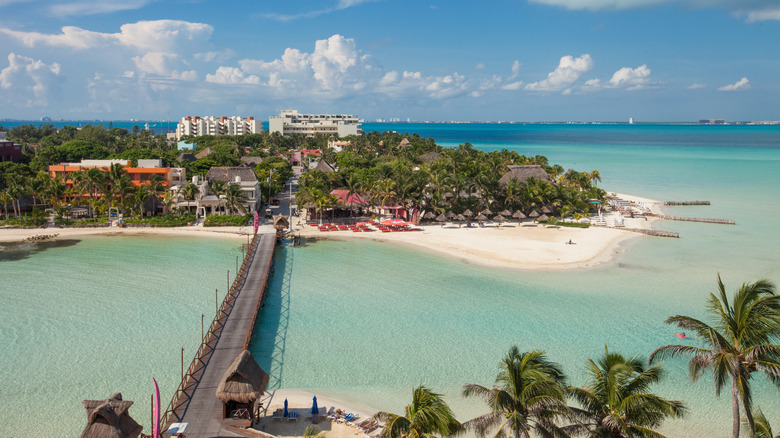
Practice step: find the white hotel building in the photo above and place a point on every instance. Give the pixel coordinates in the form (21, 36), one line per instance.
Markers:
(210, 125)
(289, 121)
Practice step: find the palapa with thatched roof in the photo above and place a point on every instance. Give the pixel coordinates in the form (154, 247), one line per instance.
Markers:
(450, 214)
(325, 167)
(481, 217)
(429, 215)
(404, 143)
(544, 218)
(243, 383)
(546, 210)
(519, 215)
(281, 222)
(109, 419)
(522, 173)
(505, 213)
(468, 213)
(486, 212)
(533, 214)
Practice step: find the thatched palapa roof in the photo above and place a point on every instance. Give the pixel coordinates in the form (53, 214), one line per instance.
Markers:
(281, 222)
(522, 173)
(229, 174)
(244, 381)
(325, 167)
(109, 419)
(204, 153)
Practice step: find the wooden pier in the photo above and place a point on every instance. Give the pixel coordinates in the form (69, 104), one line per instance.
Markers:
(654, 232)
(686, 203)
(195, 400)
(697, 219)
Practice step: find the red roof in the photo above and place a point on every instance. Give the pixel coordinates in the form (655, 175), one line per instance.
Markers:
(354, 199)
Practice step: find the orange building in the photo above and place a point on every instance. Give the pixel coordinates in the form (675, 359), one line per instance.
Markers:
(138, 175)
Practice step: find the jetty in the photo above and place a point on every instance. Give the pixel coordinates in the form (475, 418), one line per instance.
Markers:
(696, 219)
(195, 400)
(686, 203)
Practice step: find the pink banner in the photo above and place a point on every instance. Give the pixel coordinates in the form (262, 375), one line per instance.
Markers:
(156, 425)
(257, 221)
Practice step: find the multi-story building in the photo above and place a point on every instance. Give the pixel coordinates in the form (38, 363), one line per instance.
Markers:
(141, 174)
(210, 125)
(290, 121)
(10, 151)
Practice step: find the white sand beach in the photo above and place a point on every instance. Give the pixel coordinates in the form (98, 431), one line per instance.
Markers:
(524, 245)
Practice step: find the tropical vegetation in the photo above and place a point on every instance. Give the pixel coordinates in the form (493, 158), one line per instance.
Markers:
(427, 416)
(616, 402)
(740, 341)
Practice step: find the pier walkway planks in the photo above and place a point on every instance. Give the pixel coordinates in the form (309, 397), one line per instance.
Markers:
(201, 408)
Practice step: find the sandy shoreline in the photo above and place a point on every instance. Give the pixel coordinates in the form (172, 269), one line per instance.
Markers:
(525, 245)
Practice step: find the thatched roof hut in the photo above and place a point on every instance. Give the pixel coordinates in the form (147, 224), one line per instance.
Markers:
(534, 214)
(281, 222)
(546, 210)
(519, 215)
(544, 218)
(429, 215)
(325, 167)
(242, 384)
(404, 143)
(109, 419)
(522, 173)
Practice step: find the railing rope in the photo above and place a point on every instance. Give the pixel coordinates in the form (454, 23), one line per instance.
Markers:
(209, 335)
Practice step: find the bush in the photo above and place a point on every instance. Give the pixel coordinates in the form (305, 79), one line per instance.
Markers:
(23, 221)
(226, 221)
(556, 222)
(177, 220)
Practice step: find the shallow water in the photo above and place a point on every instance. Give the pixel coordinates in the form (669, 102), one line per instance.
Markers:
(82, 319)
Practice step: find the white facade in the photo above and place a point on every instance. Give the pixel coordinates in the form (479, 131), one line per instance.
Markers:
(289, 122)
(210, 125)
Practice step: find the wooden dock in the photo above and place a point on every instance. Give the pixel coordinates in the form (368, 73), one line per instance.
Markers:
(686, 203)
(195, 401)
(654, 232)
(697, 219)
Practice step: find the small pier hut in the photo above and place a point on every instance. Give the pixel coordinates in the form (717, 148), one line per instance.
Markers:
(242, 385)
(109, 419)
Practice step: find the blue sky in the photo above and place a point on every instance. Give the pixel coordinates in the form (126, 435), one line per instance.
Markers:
(530, 60)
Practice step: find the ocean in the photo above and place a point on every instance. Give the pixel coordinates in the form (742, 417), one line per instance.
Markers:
(366, 322)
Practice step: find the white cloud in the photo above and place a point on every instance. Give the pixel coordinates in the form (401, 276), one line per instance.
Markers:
(517, 85)
(87, 7)
(340, 5)
(753, 10)
(631, 78)
(28, 81)
(568, 71)
(695, 86)
(515, 69)
(742, 84)
(232, 75)
(480, 66)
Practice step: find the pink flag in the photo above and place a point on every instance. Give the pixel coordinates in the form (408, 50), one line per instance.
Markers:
(156, 425)
(257, 221)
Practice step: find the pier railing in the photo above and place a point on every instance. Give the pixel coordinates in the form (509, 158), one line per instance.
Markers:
(209, 337)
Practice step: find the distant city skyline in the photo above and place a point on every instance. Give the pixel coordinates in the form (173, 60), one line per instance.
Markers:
(508, 60)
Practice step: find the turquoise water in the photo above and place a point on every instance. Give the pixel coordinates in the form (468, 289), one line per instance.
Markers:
(367, 322)
(82, 319)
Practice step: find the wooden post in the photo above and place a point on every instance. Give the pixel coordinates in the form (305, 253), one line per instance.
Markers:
(201, 328)
(151, 411)
(216, 302)
(182, 366)
(236, 266)
(228, 280)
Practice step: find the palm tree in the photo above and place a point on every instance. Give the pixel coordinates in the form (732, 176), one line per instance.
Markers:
(736, 346)
(233, 198)
(529, 395)
(189, 192)
(427, 416)
(616, 402)
(140, 196)
(763, 428)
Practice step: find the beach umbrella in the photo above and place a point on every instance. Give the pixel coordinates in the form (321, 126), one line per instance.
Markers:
(486, 212)
(429, 215)
(534, 214)
(506, 213)
(315, 410)
(285, 413)
(546, 210)
(544, 218)
(441, 218)
(499, 218)
(468, 213)
(460, 218)
(450, 215)
(481, 217)
(519, 215)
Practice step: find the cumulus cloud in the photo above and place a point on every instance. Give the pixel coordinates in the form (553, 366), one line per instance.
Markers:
(568, 71)
(231, 75)
(695, 86)
(480, 66)
(753, 10)
(631, 78)
(742, 84)
(29, 81)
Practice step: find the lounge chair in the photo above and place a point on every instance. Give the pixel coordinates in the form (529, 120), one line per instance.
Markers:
(292, 416)
(277, 415)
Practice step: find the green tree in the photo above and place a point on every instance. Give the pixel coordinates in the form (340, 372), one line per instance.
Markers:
(427, 416)
(529, 395)
(615, 400)
(738, 344)
(763, 428)
(234, 197)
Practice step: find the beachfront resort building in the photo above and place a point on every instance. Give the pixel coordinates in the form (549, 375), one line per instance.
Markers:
(291, 122)
(140, 174)
(206, 202)
(210, 125)
(521, 173)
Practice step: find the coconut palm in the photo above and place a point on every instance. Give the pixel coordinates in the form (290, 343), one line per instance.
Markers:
(615, 401)
(763, 428)
(427, 416)
(189, 192)
(736, 345)
(529, 395)
(234, 197)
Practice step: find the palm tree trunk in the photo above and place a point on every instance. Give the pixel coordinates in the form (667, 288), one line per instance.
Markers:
(734, 408)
